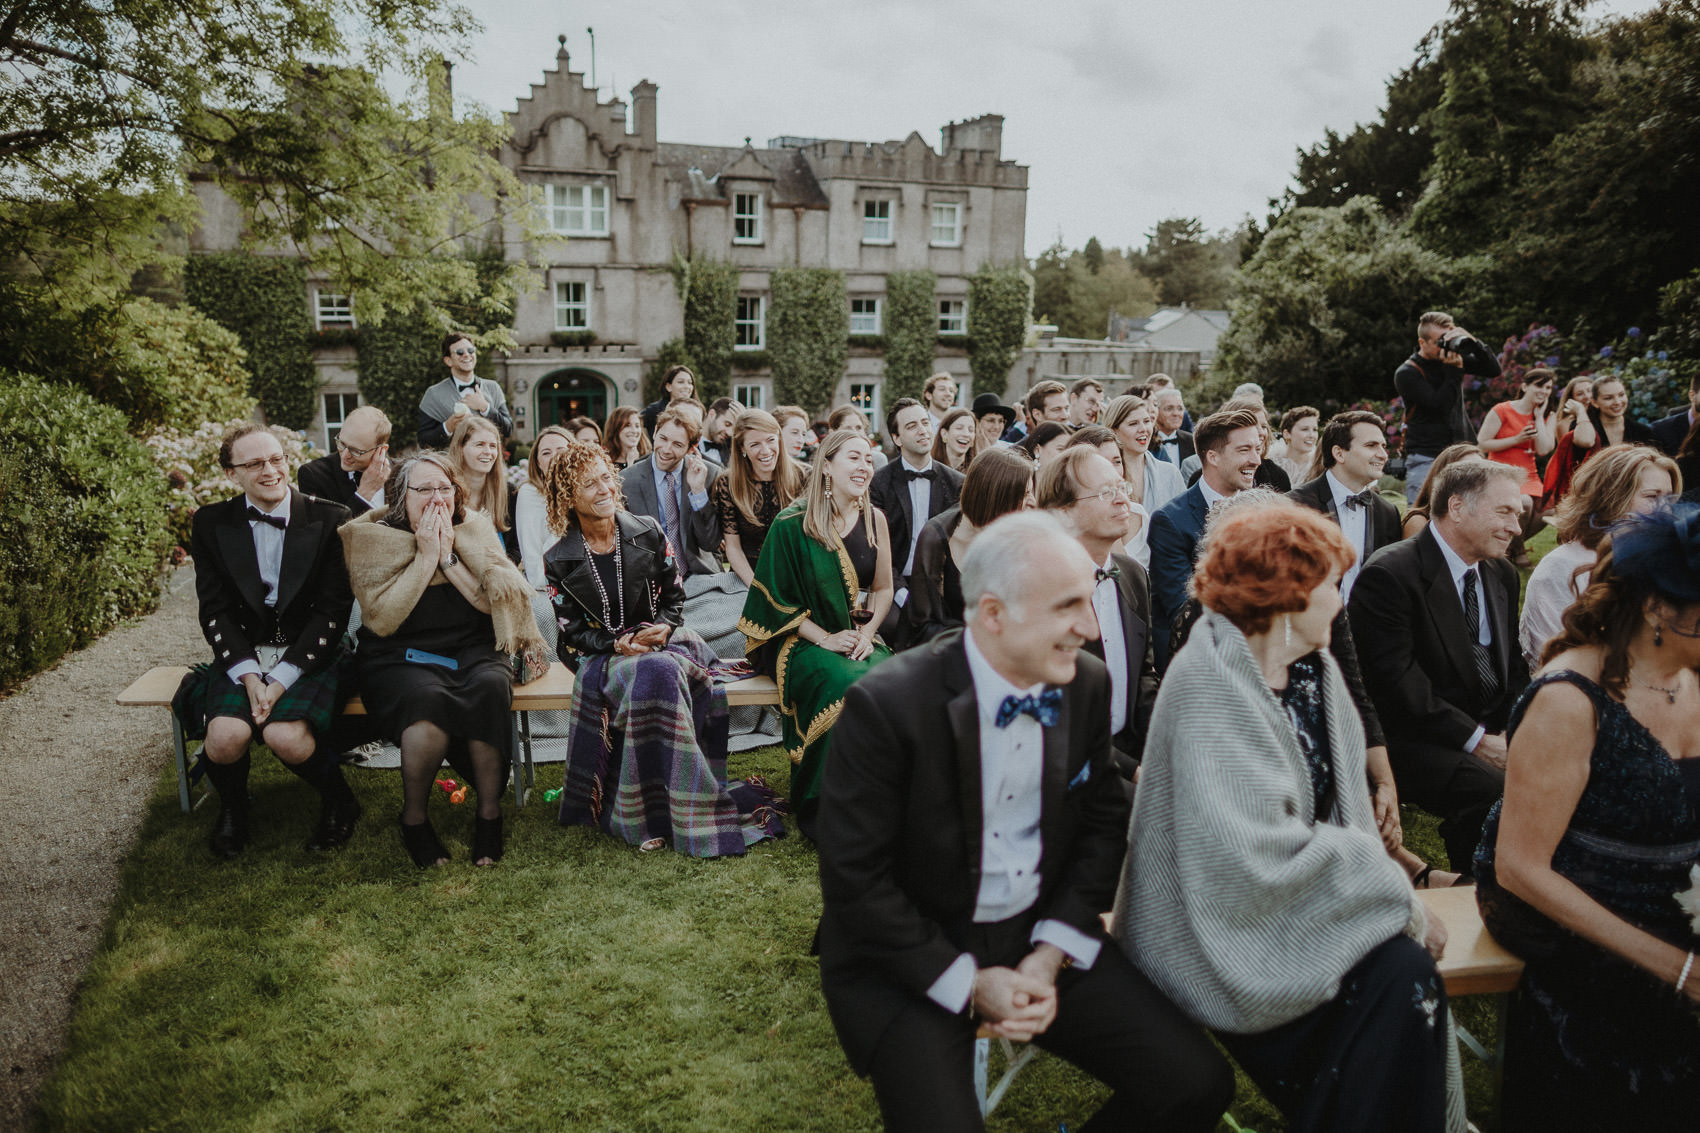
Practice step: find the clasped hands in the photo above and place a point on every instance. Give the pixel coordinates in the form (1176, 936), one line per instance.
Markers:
(856, 644)
(435, 534)
(263, 695)
(1021, 1002)
(651, 638)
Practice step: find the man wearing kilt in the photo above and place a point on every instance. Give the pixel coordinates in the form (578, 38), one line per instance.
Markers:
(274, 599)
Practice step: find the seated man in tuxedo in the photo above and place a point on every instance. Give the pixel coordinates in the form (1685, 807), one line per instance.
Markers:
(354, 475)
(972, 829)
(1231, 446)
(1354, 451)
(274, 598)
(1172, 442)
(1086, 492)
(670, 485)
(717, 426)
(1435, 618)
(462, 391)
(910, 491)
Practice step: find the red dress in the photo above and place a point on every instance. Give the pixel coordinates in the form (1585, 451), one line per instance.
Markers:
(1521, 456)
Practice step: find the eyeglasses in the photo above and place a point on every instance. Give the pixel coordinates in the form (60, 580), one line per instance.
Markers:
(344, 446)
(463, 352)
(1109, 495)
(278, 461)
(433, 490)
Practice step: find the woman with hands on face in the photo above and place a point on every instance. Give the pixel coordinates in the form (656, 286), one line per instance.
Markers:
(646, 735)
(442, 610)
(822, 586)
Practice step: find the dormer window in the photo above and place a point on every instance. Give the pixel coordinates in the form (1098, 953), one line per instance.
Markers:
(746, 218)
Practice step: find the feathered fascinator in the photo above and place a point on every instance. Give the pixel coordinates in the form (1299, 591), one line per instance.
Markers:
(1662, 549)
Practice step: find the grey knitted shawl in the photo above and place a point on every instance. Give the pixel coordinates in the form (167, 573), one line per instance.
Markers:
(1243, 909)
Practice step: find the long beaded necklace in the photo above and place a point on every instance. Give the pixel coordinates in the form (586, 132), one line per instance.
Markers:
(619, 585)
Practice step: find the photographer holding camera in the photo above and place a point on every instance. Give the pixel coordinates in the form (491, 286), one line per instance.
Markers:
(1432, 383)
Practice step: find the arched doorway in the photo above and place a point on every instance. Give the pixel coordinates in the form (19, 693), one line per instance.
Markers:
(566, 394)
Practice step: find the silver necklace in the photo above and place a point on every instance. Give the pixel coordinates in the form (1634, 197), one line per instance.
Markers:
(619, 585)
(1670, 693)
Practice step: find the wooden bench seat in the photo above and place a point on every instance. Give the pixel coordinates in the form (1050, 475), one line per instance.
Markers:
(551, 692)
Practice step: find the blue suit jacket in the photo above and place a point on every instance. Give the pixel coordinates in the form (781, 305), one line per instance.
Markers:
(1175, 530)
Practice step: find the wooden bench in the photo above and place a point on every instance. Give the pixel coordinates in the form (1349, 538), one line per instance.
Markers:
(551, 692)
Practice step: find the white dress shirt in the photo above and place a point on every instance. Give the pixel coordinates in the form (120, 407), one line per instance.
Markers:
(920, 501)
(377, 498)
(1484, 632)
(1354, 525)
(1107, 604)
(268, 551)
(1012, 763)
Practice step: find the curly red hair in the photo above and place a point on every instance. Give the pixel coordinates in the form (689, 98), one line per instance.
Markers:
(1265, 562)
(560, 483)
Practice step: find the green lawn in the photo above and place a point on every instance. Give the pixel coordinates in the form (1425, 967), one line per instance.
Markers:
(578, 985)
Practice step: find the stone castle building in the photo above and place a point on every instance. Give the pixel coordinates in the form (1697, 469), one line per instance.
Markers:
(629, 204)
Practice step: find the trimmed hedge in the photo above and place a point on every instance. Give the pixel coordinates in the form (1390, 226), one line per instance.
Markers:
(83, 535)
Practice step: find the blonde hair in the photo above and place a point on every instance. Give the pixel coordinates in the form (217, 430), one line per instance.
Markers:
(1604, 490)
(493, 491)
(741, 480)
(818, 509)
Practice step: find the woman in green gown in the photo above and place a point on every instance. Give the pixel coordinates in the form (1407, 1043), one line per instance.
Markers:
(822, 585)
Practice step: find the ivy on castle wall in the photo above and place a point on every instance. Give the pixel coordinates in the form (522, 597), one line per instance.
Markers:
(911, 332)
(808, 331)
(1000, 305)
(709, 291)
(399, 359)
(263, 299)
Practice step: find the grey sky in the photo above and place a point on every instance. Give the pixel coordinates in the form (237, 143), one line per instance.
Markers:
(1125, 113)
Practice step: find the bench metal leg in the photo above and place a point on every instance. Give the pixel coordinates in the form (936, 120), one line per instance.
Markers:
(521, 758)
(1014, 1063)
(180, 747)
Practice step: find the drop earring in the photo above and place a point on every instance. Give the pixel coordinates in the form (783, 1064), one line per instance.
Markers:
(828, 480)
(1658, 636)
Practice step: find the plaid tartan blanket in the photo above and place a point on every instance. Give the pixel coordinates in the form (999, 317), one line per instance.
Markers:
(646, 753)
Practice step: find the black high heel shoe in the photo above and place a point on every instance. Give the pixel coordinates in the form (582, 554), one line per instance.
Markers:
(423, 845)
(487, 840)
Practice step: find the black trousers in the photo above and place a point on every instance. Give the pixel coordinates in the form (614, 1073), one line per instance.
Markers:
(1452, 785)
(1111, 1022)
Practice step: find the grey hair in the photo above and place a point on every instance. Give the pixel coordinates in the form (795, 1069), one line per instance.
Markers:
(1001, 560)
(1248, 499)
(1167, 392)
(1249, 389)
(1468, 479)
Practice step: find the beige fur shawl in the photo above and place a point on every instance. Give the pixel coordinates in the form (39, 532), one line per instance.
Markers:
(389, 576)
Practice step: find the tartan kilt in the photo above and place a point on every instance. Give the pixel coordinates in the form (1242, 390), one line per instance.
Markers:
(207, 692)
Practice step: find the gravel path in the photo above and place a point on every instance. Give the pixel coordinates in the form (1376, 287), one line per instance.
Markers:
(78, 773)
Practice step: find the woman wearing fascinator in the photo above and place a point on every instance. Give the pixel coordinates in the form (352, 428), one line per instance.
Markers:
(1586, 861)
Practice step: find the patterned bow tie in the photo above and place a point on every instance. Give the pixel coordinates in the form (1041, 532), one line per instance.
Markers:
(1107, 572)
(1044, 708)
(1360, 499)
(914, 476)
(255, 515)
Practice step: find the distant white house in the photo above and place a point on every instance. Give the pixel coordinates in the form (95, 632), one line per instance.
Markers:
(1173, 328)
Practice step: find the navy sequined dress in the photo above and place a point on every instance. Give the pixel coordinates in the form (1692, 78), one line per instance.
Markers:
(1593, 1042)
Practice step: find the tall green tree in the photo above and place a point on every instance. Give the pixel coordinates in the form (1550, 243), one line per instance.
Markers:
(110, 110)
(1189, 265)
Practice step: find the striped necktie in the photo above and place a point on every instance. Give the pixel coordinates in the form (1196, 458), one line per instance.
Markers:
(1486, 671)
(670, 516)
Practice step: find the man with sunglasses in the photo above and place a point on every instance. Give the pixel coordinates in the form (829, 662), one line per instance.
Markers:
(274, 600)
(461, 392)
(354, 475)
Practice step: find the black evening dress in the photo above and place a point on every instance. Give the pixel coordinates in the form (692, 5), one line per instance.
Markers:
(733, 521)
(471, 702)
(1593, 1042)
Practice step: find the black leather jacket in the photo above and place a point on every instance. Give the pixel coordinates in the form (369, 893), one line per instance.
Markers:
(650, 581)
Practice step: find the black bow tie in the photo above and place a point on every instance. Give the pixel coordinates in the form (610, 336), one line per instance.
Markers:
(463, 390)
(1360, 499)
(255, 515)
(1107, 572)
(914, 476)
(1174, 440)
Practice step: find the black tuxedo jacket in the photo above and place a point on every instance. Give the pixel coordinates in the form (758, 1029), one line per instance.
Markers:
(313, 600)
(889, 491)
(1670, 432)
(1383, 530)
(901, 823)
(1415, 651)
(1184, 448)
(325, 478)
(1175, 531)
(1135, 606)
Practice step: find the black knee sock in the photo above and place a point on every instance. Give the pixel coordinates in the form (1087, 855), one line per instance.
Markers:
(322, 772)
(230, 780)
